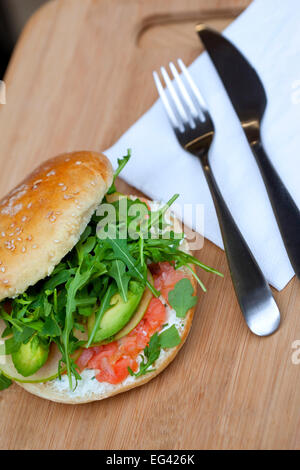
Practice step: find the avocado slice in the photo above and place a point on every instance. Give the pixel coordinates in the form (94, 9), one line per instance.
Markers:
(30, 357)
(48, 372)
(115, 318)
(135, 320)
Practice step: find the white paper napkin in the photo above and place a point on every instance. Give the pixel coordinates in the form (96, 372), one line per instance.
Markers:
(268, 34)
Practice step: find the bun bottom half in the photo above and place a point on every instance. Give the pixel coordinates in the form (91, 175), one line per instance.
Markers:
(50, 391)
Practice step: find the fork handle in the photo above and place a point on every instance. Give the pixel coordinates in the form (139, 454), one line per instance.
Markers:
(286, 211)
(252, 290)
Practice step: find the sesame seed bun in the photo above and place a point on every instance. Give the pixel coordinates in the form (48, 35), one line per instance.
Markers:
(42, 219)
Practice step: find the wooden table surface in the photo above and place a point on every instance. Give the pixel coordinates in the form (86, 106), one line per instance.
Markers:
(79, 77)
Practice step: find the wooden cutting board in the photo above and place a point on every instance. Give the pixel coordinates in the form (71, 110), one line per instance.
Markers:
(79, 77)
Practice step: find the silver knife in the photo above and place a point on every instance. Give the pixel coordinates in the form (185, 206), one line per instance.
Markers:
(249, 100)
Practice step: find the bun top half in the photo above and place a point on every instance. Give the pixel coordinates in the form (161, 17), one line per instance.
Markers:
(42, 219)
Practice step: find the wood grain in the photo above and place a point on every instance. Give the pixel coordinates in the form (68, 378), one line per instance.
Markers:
(79, 77)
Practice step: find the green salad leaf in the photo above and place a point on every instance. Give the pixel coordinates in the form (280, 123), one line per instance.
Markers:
(122, 278)
(169, 338)
(151, 353)
(121, 163)
(182, 297)
(104, 306)
(4, 382)
(121, 252)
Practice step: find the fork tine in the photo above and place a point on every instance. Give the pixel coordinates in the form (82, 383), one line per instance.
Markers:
(183, 91)
(174, 95)
(193, 86)
(165, 101)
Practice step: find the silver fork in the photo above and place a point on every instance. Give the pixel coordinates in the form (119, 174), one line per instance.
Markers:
(194, 129)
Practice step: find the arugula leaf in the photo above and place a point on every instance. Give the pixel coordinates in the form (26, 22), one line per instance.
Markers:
(86, 301)
(84, 248)
(24, 335)
(104, 306)
(122, 278)
(51, 328)
(169, 338)
(4, 382)
(7, 332)
(18, 325)
(120, 249)
(73, 285)
(157, 217)
(181, 298)
(151, 353)
(11, 346)
(121, 163)
(122, 253)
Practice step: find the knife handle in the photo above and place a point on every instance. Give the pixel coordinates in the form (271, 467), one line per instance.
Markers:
(253, 293)
(284, 207)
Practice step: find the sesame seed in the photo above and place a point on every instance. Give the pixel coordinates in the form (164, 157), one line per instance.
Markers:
(29, 237)
(68, 196)
(3, 234)
(3, 270)
(19, 239)
(29, 205)
(12, 225)
(78, 162)
(11, 234)
(10, 245)
(93, 183)
(23, 249)
(24, 218)
(34, 246)
(5, 281)
(51, 173)
(56, 241)
(52, 218)
(67, 160)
